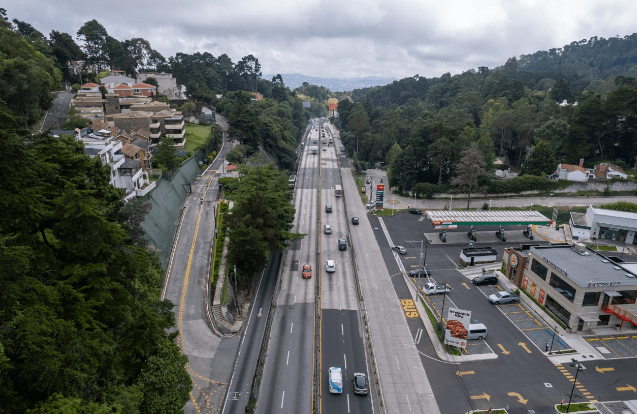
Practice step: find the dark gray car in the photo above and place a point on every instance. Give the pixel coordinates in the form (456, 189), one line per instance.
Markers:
(487, 279)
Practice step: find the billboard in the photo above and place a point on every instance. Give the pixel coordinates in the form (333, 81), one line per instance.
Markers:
(332, 104)
(457, 328)
(306, 104)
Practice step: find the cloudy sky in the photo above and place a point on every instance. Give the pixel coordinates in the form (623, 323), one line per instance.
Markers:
(344, 38)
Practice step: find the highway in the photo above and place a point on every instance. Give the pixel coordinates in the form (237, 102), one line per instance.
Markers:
(287, 383)
(341, 341)
(286, 386)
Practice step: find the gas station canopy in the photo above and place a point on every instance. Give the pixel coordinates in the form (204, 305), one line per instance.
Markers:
(502, 217)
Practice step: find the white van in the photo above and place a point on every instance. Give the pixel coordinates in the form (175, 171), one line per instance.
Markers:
(477, 331)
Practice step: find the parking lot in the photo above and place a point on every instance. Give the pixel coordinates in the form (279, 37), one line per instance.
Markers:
(614, 346)
(523, 317)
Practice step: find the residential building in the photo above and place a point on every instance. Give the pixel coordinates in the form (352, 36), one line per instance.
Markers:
(90, 87)
(582, 288)
(150, 106)
(606, 171)
(573, 172)
(131, 121)
(168, 123)
(167, 84)
(122, 90)
(144, 89)
(116, 78)
(126, 103)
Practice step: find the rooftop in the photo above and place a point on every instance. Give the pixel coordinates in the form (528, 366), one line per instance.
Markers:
(580, 220)
(614, 213)
(587, 268)
(439, 217)
(132, 114)
(131, 164)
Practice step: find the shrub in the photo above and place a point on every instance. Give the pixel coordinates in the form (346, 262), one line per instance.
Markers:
(524, 183)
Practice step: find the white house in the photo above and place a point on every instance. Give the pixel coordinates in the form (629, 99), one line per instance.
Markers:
(572, 172)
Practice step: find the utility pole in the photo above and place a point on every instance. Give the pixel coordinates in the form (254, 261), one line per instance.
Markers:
(422, 264)
(579, 368)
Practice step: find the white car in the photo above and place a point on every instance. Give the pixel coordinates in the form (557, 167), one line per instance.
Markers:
(336, 380)
(330, 266)
(327, 229)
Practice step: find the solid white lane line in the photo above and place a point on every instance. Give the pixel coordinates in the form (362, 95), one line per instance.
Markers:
(282, 398)
(291, 326)
(345, 359)
(408, 402)
(342, 333)
(397, 361)
(388, 333)
(381, 307)
(287, 361)
(348, 403)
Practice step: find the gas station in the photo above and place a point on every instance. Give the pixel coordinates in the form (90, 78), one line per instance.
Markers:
(444, 220)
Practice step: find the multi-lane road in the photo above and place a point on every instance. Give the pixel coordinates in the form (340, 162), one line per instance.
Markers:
(288, 382)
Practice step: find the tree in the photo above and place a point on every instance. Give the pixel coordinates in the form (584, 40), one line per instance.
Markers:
(469, 170)
(261, 218)
(64, 50)
(102, 75)
(152, 81)
(554, 131)
(541, 161)
(440, 154)
(243, 120)
(94, 38)
(166, 154)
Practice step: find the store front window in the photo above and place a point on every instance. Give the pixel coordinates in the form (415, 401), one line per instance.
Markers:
(614, 234)
(558, 310)
(562, 287)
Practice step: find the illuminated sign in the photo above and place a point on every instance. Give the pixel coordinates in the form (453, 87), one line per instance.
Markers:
(514, 260)
(604, 284)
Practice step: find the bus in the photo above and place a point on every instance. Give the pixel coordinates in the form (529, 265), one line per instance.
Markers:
(338, 191)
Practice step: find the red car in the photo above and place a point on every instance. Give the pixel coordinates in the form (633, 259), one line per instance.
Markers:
(307, 272)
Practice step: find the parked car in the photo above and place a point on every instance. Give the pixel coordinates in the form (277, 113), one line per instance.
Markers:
(354, 220)
(400, 249)
(328, 208)
(360, 383)
(327, 229)
(421, 272)
(432, 288)
(486, 279)
(415, 211)
(443, 236)
(307, 271)
(367, 181)
(501, 298)
(335, 379)
(330, 266)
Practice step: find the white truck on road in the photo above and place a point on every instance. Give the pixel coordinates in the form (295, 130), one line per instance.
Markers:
(432, 288)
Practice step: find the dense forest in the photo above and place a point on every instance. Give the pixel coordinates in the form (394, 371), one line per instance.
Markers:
(579, 99)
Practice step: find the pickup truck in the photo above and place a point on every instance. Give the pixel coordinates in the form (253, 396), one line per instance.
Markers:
(502, 298)
(432, 288)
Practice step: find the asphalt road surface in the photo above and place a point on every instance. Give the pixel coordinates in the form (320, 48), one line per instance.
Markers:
(57, 114)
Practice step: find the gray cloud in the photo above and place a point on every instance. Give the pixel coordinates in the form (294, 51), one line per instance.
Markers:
(333, 38)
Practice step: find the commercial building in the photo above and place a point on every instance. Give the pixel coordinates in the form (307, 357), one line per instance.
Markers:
(599, 223)
(582, 288)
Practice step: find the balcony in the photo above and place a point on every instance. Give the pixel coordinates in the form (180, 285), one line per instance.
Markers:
(154, 125)
(173, 126)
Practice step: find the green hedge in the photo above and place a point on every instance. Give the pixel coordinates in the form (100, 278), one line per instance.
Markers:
(428, 190)
(221, 235)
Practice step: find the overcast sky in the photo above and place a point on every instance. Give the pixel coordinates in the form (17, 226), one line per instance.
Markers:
(344, 38)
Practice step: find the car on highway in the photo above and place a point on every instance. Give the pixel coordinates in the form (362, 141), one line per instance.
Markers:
(415, 211)
(420, 272)
(399, 249)
(324, 148)
(328, 208)
(307, 271)
(335, 379)
(367, 181)
(327, 229)
(486, 279)
(330, 266)
(360, 383)
(342, 244)
(502, 298)
(354, 220)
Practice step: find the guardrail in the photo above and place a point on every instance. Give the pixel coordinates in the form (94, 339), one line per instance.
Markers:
(173, 245)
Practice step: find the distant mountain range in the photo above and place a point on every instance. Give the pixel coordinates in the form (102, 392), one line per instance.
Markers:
(295, 80)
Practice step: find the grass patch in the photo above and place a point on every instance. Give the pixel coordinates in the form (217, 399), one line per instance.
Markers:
(574, 407)
(386, 212)
(196, 136)
(601, 247)
(434, 321)
(221, 235)
(360, 183)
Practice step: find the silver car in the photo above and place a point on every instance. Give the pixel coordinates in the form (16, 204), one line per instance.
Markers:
(327, 229)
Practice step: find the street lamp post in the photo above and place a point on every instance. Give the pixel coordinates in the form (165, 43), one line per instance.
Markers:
(575, 363)
(552, 340)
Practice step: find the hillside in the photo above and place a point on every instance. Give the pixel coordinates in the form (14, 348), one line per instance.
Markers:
(295, 80)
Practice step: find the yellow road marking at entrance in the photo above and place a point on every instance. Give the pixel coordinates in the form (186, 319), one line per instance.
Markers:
(483, 396)
(626, 388)
(504, 351)
(602, 370)
(523, 345)
(461, 373)
(465, 285)
(520, 399)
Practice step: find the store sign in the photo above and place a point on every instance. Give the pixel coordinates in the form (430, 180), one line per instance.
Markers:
(458, 321)
(533, 287)
(514, 260)
(525, 282)
(603, 284)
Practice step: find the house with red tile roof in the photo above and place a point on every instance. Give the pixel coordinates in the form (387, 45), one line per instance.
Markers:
(144, 89)
(572, 172)
(90, 87)
(122, 90)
